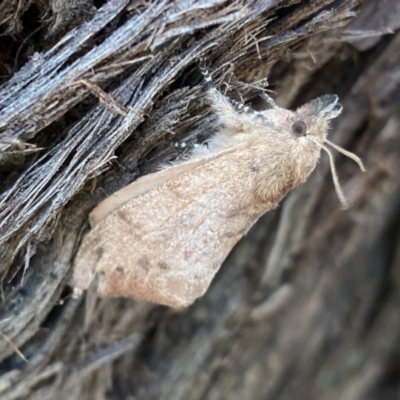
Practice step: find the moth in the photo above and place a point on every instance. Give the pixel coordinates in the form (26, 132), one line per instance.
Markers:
(163, 237)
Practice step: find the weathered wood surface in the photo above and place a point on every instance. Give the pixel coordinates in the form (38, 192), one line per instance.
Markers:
(306, 307)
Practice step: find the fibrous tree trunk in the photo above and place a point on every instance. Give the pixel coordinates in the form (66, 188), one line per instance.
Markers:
(94, 95)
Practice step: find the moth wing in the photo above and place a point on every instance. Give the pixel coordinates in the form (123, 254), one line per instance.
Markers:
(139, 187)
(166, 245)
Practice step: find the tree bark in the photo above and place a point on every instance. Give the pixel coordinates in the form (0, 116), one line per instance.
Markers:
(307, 304)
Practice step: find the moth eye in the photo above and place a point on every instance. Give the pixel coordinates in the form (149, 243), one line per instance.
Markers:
(299, 128)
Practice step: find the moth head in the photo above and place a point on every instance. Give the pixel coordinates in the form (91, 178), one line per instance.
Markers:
(312, 119)
(308, 126)
(313, 124)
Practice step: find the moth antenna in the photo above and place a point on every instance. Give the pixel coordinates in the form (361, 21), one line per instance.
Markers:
(347, 154)
(335, 178)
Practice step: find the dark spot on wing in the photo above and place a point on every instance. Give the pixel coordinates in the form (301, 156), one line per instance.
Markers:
(120, 269)
(102, 273)
(234, 212)
(163, 265)
(144, 263)
(137, 225)
(254, 168)
(122, 216)
(99, 253)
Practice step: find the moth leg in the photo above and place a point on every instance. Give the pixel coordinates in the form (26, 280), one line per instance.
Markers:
(230, 111)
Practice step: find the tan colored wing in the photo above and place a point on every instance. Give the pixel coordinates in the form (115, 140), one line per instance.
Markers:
(137, 188)
(166, 245)
(143, 185)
